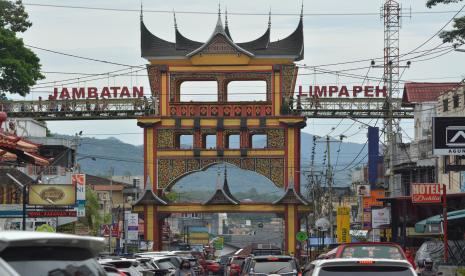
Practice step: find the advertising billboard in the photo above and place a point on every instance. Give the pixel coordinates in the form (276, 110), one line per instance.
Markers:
(449, 135)
(52, 195)
(79, 181)
(380, 217)
(133, 226)
(343, 224)
(426, 192)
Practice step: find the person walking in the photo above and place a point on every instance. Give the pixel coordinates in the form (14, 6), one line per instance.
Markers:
(185, 269)
(410, 258)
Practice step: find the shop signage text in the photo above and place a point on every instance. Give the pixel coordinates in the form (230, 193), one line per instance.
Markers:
(426, 192)
(107, 92)
(64, 213)
(343, 91)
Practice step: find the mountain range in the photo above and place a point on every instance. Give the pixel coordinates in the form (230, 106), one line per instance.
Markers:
(99, 156)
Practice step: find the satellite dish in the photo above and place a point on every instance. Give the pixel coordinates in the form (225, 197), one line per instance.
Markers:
(322, 224)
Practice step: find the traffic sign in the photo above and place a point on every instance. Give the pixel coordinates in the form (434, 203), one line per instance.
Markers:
(301, 236)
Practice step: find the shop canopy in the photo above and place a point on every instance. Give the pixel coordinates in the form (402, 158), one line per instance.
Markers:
(423, 225)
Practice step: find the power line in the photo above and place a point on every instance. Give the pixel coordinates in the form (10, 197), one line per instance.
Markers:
(229, 13)
(80, 57)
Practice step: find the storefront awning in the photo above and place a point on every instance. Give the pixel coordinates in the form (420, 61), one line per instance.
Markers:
(423, 225)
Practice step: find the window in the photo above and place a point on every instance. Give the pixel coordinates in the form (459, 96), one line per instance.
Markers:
(258, 141)
(198, 91)
(233, 141)
(246, 91)
(456, 101)
(445, 105)
(209, 141)
(184, 141)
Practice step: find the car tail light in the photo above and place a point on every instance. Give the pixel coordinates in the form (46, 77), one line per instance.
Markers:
(366, 262)
(299, 274)
(272, 259)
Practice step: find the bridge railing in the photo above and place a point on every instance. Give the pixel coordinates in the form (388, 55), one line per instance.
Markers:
(42, 109)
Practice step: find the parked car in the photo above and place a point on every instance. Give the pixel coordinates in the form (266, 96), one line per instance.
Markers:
(131, 267)
(234, 266)
(113, 271)
(282, 265)
(376, 250)
(223, 264)
(362, 267)
(41, 253)
(164, 262)
(213, 267)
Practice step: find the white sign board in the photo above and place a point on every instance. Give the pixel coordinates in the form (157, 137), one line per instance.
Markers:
(133, 227)
(380, 218)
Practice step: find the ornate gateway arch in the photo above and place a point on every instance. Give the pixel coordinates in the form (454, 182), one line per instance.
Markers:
(222, 60)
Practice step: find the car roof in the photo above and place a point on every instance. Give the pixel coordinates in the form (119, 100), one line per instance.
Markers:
(355, 261)
(266, 257)
(31, 239)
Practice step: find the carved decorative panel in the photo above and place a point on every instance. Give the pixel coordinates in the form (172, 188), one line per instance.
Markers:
(165, 138)
(171, 169)
(275, 138)
(219, 45)
(154, 79)
(289, 73)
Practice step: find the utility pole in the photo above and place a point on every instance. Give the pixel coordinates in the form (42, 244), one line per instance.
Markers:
(111, 210)
(391, 14)
(329, 175)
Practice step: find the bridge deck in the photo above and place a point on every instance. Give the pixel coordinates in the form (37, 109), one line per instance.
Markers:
(111, 109)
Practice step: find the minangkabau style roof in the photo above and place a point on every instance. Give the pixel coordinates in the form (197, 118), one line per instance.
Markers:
(153, 47)
(149, 197)
(291, 196)
(222, 194)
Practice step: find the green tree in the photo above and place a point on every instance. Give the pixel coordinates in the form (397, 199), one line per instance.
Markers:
(19, 66)
(93, 217)
(457, 35)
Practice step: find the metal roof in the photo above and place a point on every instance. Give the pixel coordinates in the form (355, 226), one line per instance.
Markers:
(289, 47)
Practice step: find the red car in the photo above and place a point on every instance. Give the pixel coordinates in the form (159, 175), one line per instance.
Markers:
(376, 250)
(212, 267)
(234, 266)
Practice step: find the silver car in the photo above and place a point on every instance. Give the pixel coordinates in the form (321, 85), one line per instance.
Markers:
(44, 254)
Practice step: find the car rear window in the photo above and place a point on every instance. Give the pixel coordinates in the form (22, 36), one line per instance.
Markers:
(273, 266)
(372, 251)
(365, 271)
(52, 260)
(165, 265)
(237, 261)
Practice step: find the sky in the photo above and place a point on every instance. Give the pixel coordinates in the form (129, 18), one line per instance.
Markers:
(335, 31)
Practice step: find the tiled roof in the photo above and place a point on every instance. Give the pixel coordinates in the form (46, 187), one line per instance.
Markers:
(420, 92)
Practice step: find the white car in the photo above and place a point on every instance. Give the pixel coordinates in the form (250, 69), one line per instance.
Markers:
(362, 267)
(43, 254)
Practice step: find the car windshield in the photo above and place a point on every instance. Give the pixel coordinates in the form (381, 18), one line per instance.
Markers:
(372, 251)
(273, 267)
(165, 265)
(48, 260)
(365, 271)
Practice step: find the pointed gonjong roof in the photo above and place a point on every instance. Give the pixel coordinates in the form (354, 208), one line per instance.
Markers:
(149, 197)
(153, 47)
(222, 195)
(291, 197)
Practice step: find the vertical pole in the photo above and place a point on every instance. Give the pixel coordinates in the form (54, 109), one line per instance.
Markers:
(111, 209)
(444, 215)
(330, 186)
(390, 133)
(24, 206)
